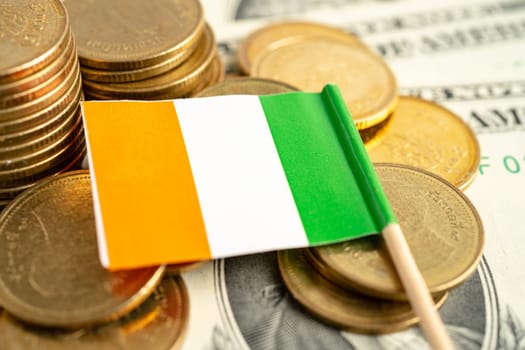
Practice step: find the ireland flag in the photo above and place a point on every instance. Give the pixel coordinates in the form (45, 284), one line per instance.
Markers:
(191, 179)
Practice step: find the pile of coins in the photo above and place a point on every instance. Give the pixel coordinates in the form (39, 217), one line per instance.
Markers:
(354, 284)
(397, 129)
(56, 295)
(145, 50)
(41, 130)
(431, 156)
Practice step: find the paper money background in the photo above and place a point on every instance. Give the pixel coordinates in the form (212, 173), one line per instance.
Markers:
(469, 56)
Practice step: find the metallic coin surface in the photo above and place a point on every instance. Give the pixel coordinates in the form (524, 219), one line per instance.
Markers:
(442, 228)
(50, 272)
(124, 34)
(43, 74)
(247, 86)
(158, 323)
(340, 307)
(70, 163)
(120, 76)
(213, 75)
(69, 99)
(177, 82)
(218, 67)
(274, 35)
(367, 84)
(33, 33)
(35, 153)
(428, 136)
(67, 64)
(177, 269)
(41, 164)
(41, 102)
(35, 136)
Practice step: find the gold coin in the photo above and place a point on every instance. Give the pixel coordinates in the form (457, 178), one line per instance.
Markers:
(58, 163)
(37, 168)
(124, 34)
(15, 180)
(214, 76)
(26, 96)
(33, 138)
(73, 163)
(159, 323)
(42, 75)
(428, 136)
(442, 228)
(50, 272)
(368, 86)
(175, 83)
(34, 33)
(113, 76)
(372, 135)
(340, 307)
(122, 76)
(278, 34)
(41, 102)
(177, 269)
(248, 86)
(217, 72)
(69, 99)
(33, 154)
(219, 69)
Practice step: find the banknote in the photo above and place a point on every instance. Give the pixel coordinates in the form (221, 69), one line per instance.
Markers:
(468, 56)
(401, 31)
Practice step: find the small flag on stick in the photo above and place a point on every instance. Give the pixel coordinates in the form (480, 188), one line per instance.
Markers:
(192, 179)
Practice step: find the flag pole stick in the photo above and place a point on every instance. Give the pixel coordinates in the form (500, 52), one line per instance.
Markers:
(416, 289)
(372, 191)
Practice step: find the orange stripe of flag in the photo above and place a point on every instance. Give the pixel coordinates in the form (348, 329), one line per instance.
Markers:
(155, 157)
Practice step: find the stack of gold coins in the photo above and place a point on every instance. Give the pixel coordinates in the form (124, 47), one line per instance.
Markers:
(354, 285)
(51, 277)
(40, 89)
(397, 129)
(137, 49)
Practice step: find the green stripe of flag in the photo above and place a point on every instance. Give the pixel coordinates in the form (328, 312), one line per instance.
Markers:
(333, 182)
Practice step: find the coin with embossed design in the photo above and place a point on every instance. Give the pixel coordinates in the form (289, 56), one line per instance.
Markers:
(50, 272)
(428, 136)
(158, 323)
(40, 92)
(178, 82)
(278, 34)
(442, 228)
(120, 76)
(343, 308)
(32, 34)
(367, 84)
(40, 122)
(133, 34)
(38, 80)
